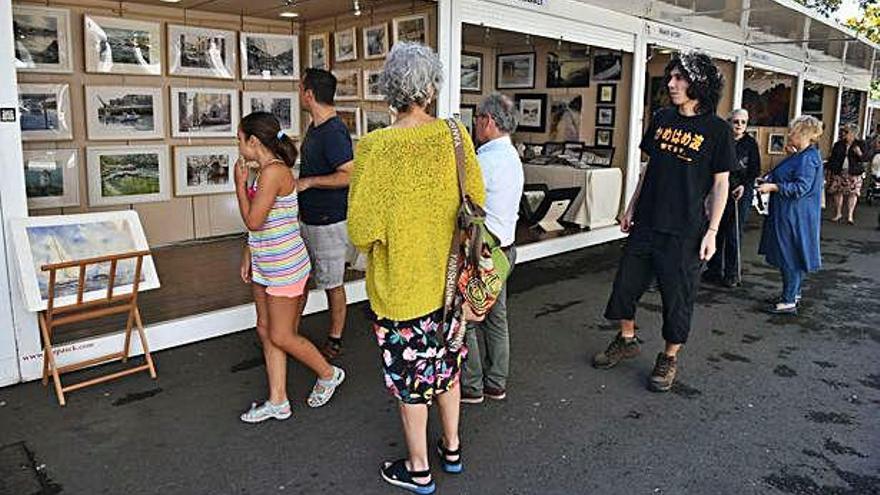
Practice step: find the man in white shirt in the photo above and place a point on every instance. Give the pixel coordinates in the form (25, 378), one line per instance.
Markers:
(496, 118)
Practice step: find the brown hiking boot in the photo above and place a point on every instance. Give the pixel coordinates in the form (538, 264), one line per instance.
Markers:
(663, 375)
(619, 349)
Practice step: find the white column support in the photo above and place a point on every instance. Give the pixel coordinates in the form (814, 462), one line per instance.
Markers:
(833, 130)
(636, 115)
(450, 57)
(799, 94)
(739, 81)
(18, 328)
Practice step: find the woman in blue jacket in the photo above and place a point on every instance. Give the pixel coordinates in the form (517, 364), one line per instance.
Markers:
(790, 239)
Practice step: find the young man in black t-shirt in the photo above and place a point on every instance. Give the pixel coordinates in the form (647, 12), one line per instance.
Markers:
(325, 172)
(691, 151)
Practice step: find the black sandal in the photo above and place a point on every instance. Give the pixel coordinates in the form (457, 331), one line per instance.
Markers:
(332, 348)
(451, 467)
(396, 473)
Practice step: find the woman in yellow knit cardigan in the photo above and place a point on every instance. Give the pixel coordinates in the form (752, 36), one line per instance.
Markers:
(402, 204)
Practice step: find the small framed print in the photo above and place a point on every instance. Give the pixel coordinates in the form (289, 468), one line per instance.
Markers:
(532, 112)
(348, 87)
(604, 137)
(115, 45)
(351, 117)
(42, 39)
(374, 120)
(515, 71)
(372, 88)
(204, 112)
(44, 112)
(467, 112)
(345, 45)
(412, 28)
(605, 116)
(606, 94)
(51, 178)
(204, 169)
(124, 112)
(375, 41)
(607, 65)
(283, 105)
(201, 52)
(121, 175)
(471, 72)
(776, 144)
(273, 57)
(753, 133)
(318, 55)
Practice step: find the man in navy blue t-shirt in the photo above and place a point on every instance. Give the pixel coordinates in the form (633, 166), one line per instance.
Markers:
(325, 171)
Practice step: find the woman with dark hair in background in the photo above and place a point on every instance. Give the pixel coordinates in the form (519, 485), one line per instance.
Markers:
(846, 166)
(276, 264)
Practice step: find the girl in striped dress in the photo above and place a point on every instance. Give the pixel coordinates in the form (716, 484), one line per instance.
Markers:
(276, 264)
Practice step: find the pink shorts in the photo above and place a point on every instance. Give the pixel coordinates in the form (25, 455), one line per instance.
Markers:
(294, 290)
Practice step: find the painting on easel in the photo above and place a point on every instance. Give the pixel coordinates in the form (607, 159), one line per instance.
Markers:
(55, 239)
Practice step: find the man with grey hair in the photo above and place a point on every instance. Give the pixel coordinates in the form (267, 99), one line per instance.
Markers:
(724, 268)
(503, 177)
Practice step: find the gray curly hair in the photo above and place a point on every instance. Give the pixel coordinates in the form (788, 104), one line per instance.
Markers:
(502, 109)
(412, 74)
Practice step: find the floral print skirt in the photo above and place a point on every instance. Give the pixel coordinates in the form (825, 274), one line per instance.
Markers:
(415, 364)
(845, 184)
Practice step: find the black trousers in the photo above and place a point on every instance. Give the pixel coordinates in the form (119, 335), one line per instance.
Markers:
(675, 262)
(725, 263)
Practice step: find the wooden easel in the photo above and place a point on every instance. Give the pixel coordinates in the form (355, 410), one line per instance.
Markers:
(55, 316)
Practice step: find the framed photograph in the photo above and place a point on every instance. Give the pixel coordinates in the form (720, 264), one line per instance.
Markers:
(269, 56)
(201, 52)
(44, 112)
(568, 68)
(375, 41)
(204, 112)
(598, 156)
(605, 116)
(467, 112)
(606, 94)
(532, 112)
(43, 240)
(351, 117)
(471, 72)
(604, 137)
(318, 55)
(376, 120)
(123, 112)
(776, 144)
(51, 178)
(565, 117)
(115, 45)
(345, 45)
(204, 169)
(348, 84)
(121, 175)
(768, 100)
(607, 65)
(515, 71)
(413, 28)
(372, 89)
(42, 39)
(284, 105)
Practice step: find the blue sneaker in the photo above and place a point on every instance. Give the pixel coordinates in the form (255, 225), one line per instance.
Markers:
(396, 473)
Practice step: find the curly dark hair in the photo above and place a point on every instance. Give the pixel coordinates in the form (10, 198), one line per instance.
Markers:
(703, 76)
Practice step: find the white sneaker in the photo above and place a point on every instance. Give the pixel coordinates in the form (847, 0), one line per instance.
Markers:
(258, 414)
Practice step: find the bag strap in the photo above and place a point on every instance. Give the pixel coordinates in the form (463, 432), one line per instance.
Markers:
(458, 143)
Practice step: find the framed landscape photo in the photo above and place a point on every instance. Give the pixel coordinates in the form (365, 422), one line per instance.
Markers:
(345, 45)
(318, 55)
(606, 94)
(568, 68)
(351, 117)
(607, 65)
(201, 52)
(204, 112)
(272, 57)
(412, 28)
(372, 88)
(43, 240)
(374, 120)
(44, 112)
(42, 39)
(532, 112)
(284, 105)
(598, 156)
(375, 41)
(51, 178)
(348, 84)
(204, 169)
(776, 144)
(121, 175)
(467, 112)
(515, 71)
(605, 116)
(122, 112)
(471, 72)
(115, 45)
(604, 137)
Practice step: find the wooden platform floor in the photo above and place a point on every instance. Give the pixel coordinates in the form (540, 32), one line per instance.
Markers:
(202, 277)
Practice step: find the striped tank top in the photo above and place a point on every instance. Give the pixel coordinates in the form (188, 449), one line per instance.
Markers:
(278, 254)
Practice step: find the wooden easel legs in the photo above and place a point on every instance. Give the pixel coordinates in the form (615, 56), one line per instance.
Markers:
(50, 367)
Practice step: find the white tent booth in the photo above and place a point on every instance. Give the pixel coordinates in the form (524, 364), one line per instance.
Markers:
(622, 43)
